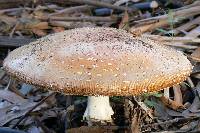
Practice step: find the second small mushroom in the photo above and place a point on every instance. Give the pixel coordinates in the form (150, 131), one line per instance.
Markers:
(98, 62)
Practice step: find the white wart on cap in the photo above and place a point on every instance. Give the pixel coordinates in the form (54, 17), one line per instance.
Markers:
(98, 61)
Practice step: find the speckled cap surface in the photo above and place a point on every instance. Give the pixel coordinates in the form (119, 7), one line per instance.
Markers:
(98, 61)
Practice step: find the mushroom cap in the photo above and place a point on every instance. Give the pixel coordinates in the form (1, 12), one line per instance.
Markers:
(98, 61)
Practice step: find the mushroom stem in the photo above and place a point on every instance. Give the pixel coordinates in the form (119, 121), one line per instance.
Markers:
(98, 109)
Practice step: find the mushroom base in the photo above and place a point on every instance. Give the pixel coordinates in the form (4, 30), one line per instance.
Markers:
(98, 109)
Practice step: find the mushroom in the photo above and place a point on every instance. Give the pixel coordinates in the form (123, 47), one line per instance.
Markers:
(98, 62)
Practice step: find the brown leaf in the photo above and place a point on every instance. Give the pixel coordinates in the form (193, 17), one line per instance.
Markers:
(135, 125)
(32, 24)
(171, 104)
(58, 29)
(124, 24)
(11, 21)
(40, 25)
(148, 26)
(39, 32)
(7, 23)
(196, 55)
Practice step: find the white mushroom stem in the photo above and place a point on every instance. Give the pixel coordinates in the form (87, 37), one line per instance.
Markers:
(166, 92)
(98, 109)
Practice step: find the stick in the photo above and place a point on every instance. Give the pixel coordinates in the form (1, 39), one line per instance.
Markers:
(88, 19)
(173, 39)
(13, 42)
(186, 26)
(14, 10)
(193, 33)
(38, 104)
(12, 3)
(179, 13)
(195, 3)
(72, 9)
(160, 21)
(103, 4)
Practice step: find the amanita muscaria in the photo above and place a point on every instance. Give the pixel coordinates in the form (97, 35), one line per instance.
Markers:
(98, 62)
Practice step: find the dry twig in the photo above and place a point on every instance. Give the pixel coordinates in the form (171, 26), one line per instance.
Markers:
(103, 4)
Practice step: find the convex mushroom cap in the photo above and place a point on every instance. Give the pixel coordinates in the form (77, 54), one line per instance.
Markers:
(98, 61)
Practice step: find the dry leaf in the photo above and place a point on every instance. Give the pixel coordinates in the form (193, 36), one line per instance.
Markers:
(39, 32)
(148, 27)
(58, 29)
(40, 25)
(196, 55)
(31, 24)
(135, 125)
(11, 21)
(124, 24)
(171, 104)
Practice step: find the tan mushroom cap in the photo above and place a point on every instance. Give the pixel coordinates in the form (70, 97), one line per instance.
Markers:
(98, 61)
